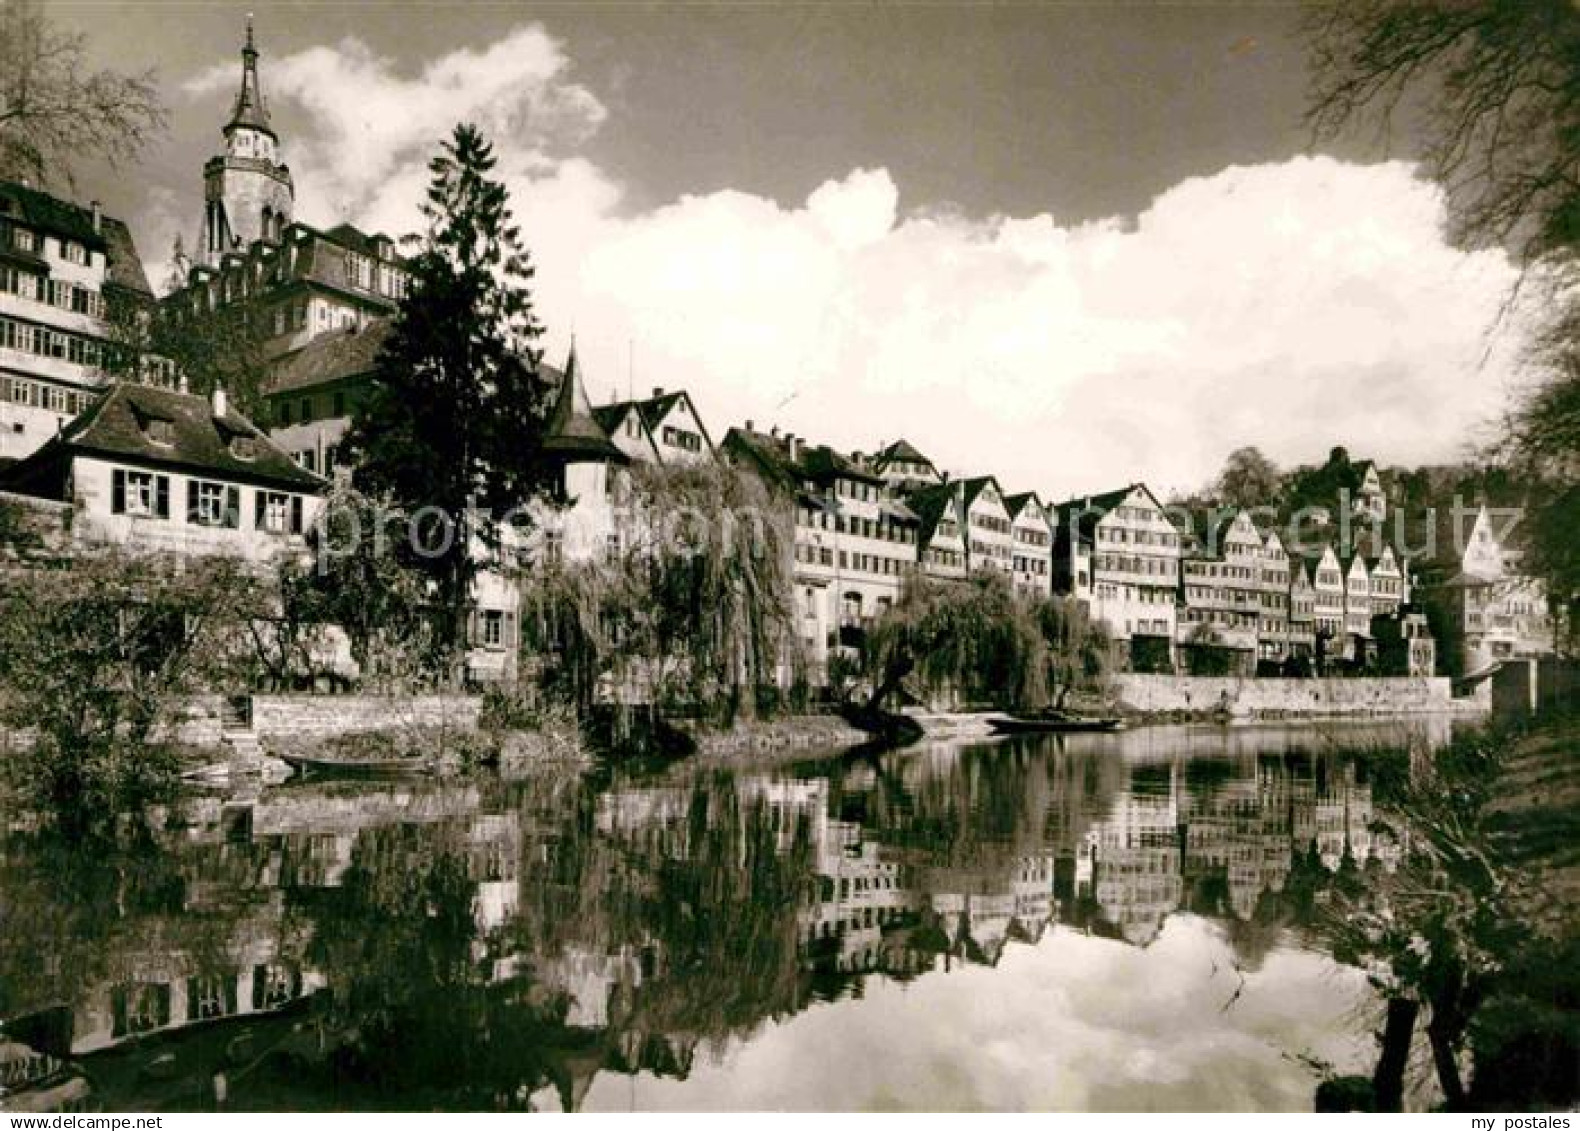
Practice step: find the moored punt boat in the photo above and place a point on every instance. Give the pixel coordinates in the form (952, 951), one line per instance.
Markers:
(1054, 723)
(309, 766)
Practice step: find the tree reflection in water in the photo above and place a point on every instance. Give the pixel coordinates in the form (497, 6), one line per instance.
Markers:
(497, 945)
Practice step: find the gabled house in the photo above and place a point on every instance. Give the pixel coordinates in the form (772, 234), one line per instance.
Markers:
(1302, 612)
(1357, 600)
(665, 428)
(855, 543)
(904, 468)
(62, 268)
(990, 538)
(942, 532)
(1134, 550)
(1220, 586)
(1389, 586)
(1274, 643)
(152, 469)
(1031, 525)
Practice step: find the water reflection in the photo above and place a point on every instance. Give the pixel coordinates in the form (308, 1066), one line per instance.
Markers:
(569, 941)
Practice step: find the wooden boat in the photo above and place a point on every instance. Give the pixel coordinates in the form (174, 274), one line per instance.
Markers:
(311, 766)
(1052, 723)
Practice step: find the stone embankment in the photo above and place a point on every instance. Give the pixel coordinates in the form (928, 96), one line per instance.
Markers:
(1290, 698)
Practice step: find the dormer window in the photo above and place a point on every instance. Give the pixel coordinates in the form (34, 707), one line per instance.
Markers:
(160, 431)
(244, 447)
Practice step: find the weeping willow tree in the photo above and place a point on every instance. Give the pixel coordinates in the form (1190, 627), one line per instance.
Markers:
(1079, 650)
(974, 639)
(691, 611)
(979, 641)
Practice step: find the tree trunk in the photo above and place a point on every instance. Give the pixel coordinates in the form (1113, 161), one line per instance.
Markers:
(1443, 1032)
(1398, 1031)
(893, 676)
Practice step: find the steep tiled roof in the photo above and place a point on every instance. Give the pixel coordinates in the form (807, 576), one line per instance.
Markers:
(823, 463)
(652, 410)
(1082, 515)
(930, 505)
(573, 433)
(1017, 503)
(901, 451)
(975, 485)
(125, 268)
(45, 213)
(331, 357)
(117, 426)
(611, 416)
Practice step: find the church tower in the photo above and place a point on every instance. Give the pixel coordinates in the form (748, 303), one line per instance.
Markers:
(247, 190)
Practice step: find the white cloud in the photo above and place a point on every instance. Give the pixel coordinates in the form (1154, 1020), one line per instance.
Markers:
(373, 129)
(1292, 305)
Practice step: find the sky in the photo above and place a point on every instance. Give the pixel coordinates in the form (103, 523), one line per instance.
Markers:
(1073, 245)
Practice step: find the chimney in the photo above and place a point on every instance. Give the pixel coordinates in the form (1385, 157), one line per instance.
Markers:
(774, 431)
(218, 400)
(795, 444)
(658, 391)
(98, 217)
(751, 426)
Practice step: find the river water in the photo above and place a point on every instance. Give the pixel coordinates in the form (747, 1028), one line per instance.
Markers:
(1094, 922)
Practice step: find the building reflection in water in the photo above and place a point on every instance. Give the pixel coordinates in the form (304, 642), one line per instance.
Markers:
(497, 944)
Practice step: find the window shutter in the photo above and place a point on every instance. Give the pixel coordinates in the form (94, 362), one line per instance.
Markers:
(296, 514)
(259, 504)
(162, 504)
(192, 500)
(233, 507)
(509, 640)
(471, 628)
(118, 491)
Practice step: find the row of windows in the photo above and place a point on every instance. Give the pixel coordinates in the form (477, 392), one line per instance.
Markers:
(858, 527)
(54, 292)
(302, 409)
(1120, 563)
(1224, 617)
(41, 394)
(146, 494)
(42, 341)
(981, 549)
(25, 239)
(1137, 537)
(1146, 594)
(851, 489)
(682, 438)
(861, 563)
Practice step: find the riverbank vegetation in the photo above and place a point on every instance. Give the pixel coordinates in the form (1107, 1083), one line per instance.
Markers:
(94, 661)
(1470, 938)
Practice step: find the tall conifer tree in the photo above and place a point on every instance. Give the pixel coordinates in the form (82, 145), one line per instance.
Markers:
(452, 428)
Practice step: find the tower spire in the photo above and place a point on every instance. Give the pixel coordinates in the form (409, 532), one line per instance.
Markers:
(250, 112)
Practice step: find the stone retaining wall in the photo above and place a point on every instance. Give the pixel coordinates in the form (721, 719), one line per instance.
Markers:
(277, 717)
(1280, 697)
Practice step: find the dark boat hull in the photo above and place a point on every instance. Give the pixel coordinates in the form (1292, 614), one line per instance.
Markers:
(337, 768)
(1010, 725)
